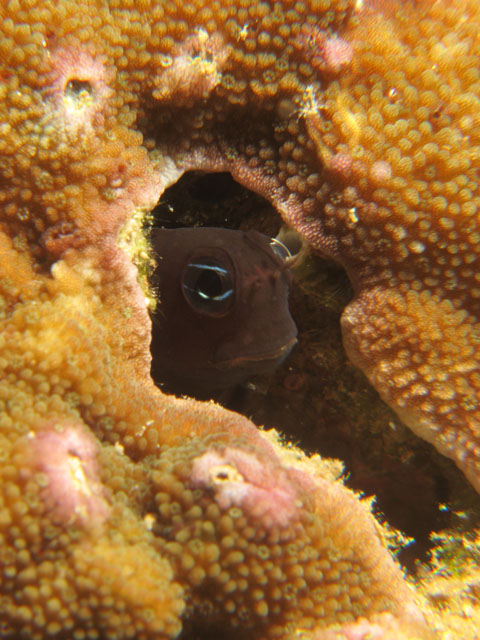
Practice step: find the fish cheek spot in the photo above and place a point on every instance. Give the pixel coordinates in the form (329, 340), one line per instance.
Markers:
(208, 286)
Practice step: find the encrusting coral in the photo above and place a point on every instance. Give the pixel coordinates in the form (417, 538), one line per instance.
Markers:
(127, 513)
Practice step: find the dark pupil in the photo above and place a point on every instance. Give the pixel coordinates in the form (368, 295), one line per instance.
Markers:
(208, 286)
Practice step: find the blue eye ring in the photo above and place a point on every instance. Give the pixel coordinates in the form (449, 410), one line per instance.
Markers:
(208, 286)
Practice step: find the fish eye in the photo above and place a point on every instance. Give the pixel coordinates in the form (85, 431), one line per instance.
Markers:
(208, 286)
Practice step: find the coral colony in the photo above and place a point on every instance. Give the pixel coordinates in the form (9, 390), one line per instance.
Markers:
(127, 513)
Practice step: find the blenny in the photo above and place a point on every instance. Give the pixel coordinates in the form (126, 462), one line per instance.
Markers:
(223, 312)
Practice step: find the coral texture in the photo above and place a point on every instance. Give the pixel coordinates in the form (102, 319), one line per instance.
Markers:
(126, 513)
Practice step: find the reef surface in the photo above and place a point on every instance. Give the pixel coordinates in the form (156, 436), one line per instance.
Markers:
(126, 513)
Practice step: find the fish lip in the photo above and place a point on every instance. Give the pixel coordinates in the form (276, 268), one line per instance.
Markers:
(279, 354)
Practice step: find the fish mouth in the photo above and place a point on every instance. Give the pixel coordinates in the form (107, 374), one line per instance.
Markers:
(271, 359)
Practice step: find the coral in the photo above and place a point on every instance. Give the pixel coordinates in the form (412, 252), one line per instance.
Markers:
(241, 524)
(450, 581)
(380, 627)
(63, 459)
(238, 479)
(127, 513)
(192, 70)
(323, 53)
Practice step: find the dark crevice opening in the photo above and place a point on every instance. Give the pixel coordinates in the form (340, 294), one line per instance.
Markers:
(214, 200)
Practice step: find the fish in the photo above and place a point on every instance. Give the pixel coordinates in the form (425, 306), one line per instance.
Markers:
(222, 313)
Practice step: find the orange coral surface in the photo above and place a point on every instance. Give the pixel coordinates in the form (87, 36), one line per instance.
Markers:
(129, 514)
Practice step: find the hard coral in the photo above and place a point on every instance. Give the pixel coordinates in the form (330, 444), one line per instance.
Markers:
(192, 70)
(64, 457)
(305, 554)
(239, 479)
(166, 519)
(327, 54)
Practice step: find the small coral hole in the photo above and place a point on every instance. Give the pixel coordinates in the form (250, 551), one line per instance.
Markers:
(78, 89)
